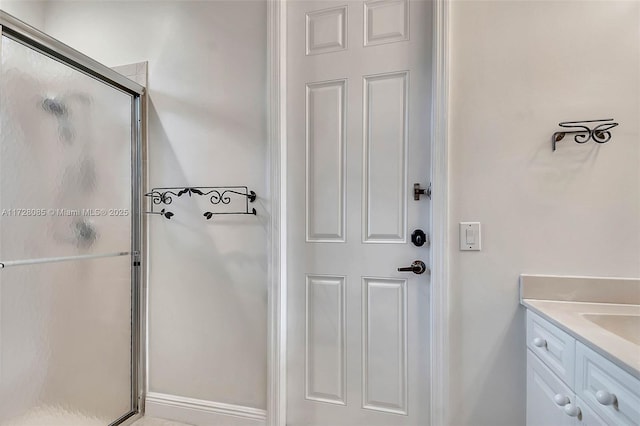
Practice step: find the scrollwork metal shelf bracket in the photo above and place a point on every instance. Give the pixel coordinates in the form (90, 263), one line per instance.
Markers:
(218, 195)
(583, 131)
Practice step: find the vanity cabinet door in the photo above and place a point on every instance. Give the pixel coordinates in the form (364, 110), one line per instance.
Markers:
(548, 397)
(612, 393)
(588, 417)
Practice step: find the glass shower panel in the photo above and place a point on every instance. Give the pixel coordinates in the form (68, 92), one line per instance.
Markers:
(65, 342)
(65, 159)
(66, 331)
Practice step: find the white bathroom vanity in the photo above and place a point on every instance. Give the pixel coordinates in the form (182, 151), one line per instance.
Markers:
(583, 350)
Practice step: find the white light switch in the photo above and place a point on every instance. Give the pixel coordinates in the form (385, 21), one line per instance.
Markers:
(470, 238)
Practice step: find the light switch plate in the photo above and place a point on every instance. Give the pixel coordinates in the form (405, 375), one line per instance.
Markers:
(470, 236)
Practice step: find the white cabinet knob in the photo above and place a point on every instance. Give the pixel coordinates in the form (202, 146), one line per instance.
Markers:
(539, 342)
(561, 400)
(572, 410)
(605, 398)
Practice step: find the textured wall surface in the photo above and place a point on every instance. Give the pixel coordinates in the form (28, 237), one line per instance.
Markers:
(207, 127)
(517, 69)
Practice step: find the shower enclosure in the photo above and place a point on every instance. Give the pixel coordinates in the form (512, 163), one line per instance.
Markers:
(71, 299)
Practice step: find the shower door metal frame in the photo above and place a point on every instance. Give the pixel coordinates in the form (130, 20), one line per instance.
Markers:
(35, 39)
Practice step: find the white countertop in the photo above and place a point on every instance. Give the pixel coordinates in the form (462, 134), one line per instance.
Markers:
(568, 315)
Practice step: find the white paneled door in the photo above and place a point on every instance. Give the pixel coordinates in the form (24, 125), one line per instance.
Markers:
(358, 102)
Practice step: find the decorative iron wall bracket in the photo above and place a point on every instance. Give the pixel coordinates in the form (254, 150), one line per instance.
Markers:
(583, 131)
(218, 196)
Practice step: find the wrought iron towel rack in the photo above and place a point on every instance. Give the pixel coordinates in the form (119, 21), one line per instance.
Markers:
(584, 130)
(218, 195)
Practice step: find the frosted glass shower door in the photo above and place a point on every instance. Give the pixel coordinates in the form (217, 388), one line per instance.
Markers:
(65, 240)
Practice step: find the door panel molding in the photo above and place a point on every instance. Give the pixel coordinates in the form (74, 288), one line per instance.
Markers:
(390, 189)
(398, 31)
(384, 341)
(326, 166)
(325, 351)
(318, 23)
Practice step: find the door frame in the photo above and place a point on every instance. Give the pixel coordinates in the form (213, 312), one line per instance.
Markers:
(439, 253)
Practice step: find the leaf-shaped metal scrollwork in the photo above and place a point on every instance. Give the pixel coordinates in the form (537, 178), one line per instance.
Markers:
(583, 131)
(189, 191)
(217, 196)
(160, 197)
(601, 133)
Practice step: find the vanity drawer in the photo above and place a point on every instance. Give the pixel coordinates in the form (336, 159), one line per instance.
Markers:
(553, 346)
(611, 392)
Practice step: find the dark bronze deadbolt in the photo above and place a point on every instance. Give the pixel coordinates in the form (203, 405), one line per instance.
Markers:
(419, 238)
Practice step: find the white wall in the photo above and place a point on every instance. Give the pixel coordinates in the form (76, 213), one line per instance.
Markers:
(519, 68)
(29, 11)
(207, 127)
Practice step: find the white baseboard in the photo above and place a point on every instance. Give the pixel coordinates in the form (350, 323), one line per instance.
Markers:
(198, 412)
